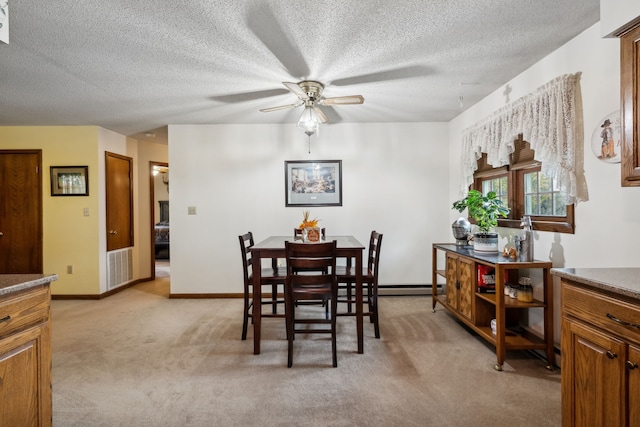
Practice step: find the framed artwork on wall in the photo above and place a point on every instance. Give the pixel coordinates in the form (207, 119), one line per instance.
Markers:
(69, 180)
(313, 182)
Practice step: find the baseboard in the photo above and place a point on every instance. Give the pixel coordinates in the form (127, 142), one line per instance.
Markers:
(98, 296)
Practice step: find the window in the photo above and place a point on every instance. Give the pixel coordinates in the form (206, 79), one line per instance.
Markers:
(527, 191)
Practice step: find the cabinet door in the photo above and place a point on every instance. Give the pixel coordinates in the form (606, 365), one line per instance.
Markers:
(633, 404)
(466, 275)
(593, 367)
(460, 284)
(452, 281)
(21, 379)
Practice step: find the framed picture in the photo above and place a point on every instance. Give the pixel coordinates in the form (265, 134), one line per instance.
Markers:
(69, 180)
(313, 182)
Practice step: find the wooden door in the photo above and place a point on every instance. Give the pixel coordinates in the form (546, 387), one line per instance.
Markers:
(592, 382)
(633, 392)
(119, 189)
(21, 211)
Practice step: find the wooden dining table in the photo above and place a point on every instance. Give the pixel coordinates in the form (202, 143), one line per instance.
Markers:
(274, 247)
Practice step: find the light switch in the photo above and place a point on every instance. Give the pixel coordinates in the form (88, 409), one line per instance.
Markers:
(191, 210)
(86, 211)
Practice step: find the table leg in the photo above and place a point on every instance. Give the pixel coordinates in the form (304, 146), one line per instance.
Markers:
(257, 302)
(359, 313)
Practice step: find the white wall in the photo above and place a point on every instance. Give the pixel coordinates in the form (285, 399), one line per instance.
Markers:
(615, 15)
(394, 181)
(607, 223)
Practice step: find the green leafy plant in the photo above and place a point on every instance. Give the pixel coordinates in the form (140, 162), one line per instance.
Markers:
(484, 209)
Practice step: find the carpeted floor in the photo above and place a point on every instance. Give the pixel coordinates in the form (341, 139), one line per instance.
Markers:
(140, 359)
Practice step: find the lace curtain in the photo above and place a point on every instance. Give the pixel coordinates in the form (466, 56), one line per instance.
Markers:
(550, 119)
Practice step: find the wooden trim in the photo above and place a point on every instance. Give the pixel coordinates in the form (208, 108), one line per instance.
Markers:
(97, 296)
(200, 296)
(629, 98)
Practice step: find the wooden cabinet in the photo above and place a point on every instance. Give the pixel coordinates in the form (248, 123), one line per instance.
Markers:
(25, 358)
(600, 358)
(629, 87)
(461, 297)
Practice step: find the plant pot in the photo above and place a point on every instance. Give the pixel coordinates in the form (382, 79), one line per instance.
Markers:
(485, 242)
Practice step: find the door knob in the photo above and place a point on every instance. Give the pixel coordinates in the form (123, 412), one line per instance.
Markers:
(631, 365)
(611, 354)
(113, 232)
(1, 234)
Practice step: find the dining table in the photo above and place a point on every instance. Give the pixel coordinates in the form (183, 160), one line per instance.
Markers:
(274, 247)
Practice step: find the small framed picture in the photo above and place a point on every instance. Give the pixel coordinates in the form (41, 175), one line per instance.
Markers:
(313, 182)
(69, 180)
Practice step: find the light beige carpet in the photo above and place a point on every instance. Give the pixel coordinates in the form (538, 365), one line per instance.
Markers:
(140, 359)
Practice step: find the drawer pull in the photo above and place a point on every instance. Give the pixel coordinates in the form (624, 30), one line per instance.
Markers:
(631, 365)
(5, 318)
(622, 322)
(611, 354)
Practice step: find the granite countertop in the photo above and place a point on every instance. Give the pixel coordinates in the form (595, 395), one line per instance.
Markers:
(622, 281)
(10, 283)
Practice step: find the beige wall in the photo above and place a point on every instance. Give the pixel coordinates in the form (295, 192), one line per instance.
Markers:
(70, 237)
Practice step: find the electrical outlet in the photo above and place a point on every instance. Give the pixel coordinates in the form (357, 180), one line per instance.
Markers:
(69, 269)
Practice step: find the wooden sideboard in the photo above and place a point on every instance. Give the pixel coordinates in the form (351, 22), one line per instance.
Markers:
(25, 350)
(600, 346)
(630, 100)
(460, 295)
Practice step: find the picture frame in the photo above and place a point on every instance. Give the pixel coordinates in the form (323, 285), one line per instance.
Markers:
(313, 182)
(69, 180)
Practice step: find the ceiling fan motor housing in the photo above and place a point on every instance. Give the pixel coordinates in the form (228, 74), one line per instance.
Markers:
(312, 89)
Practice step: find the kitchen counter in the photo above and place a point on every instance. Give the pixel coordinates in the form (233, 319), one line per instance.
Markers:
(10, 283)
(624, 282)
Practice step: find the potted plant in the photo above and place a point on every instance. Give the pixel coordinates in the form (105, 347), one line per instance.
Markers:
(485, 211)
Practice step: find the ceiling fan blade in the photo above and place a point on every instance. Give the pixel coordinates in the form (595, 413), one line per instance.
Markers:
(264, 24)
(343, 100)
(293, 87)
(396, 74)
(281, 107)
(321, 115)
(248, 96)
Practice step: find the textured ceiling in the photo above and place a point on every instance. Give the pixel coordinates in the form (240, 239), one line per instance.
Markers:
(138, 65)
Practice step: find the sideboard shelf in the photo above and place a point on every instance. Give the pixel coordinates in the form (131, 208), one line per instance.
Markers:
(461, 297)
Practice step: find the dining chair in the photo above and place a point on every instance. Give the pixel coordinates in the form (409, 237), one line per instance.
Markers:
(346, 277)
(311, 276)
(270, 277)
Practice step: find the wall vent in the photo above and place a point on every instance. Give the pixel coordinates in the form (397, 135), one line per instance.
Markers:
(119, 267)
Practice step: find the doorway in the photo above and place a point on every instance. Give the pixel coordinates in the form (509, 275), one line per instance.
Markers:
(160, 221)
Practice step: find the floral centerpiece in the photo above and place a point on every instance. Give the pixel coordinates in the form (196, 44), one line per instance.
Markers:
(309, 227)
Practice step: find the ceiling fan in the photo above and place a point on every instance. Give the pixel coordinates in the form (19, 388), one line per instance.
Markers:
(310, 94)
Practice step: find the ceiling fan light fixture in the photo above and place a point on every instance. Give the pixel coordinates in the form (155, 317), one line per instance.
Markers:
(309, 121)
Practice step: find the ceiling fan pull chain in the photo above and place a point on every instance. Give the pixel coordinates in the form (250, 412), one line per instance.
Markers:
(309, 143)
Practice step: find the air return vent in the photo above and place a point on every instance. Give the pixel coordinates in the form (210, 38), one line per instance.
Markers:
(119, 267)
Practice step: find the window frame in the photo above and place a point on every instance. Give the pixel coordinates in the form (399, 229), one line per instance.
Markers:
(515, 184)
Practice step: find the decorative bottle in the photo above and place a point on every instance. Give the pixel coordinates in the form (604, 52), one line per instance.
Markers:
(526, 240)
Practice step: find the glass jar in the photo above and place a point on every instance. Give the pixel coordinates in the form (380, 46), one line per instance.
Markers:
(513, 291)
(525, 293)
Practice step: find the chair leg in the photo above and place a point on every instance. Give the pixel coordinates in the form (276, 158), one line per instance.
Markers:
(334, 352)
(274, 299)
(245, 319)
(349, 293)
(289, 316)
(374, 311)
